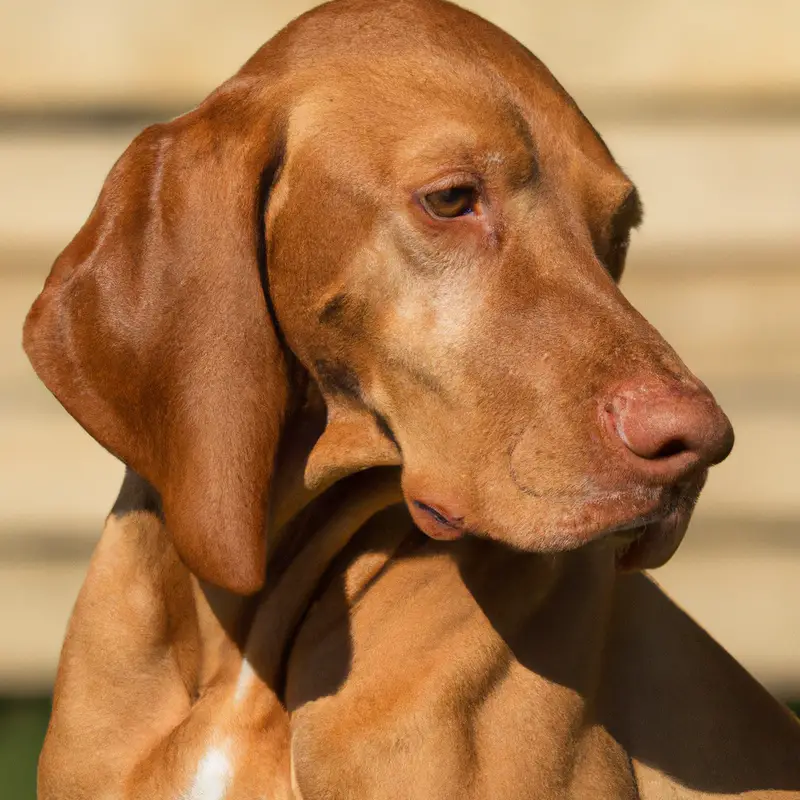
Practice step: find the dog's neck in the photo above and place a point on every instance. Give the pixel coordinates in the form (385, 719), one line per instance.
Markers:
(298, 510)
(309, 529)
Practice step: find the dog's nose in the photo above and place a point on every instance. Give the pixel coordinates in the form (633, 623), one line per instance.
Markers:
(669, 429)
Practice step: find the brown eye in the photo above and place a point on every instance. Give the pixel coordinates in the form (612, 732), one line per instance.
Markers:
(457, 201)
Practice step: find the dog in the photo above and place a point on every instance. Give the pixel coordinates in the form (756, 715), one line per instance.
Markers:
(398, 449)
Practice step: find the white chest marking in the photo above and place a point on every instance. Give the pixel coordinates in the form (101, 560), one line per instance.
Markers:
(245, 680)
(213, 776)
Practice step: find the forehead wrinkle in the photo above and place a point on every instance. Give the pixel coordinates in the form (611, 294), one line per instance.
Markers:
(471, 146)
(476, 108)
(305, 115)
(441, 136)
(523, 130)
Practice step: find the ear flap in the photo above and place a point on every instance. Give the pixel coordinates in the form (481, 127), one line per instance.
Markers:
(153, 331)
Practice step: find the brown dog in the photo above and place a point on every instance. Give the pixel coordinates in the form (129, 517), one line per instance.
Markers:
(380, 264)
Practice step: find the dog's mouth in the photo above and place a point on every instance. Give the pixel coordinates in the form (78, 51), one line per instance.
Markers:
(652, 542)
(436, 522)
(644, 527)
(646, 540)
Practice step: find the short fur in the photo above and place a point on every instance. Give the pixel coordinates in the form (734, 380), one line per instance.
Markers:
(304, 369)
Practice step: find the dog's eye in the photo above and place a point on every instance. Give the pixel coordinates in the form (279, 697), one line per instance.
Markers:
(457, 201)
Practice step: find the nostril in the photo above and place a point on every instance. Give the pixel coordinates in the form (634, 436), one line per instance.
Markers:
(674, 447)
(669, 427)
(651, 438)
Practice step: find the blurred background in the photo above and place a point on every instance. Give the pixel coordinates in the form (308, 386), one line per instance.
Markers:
(699, 100)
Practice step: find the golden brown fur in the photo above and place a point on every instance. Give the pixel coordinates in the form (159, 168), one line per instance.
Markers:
(307, 371)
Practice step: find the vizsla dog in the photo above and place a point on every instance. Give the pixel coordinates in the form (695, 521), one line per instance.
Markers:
(398, 449)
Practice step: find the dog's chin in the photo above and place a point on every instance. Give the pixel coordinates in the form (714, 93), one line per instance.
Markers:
(653, 544)
(643, 527)
(651, 541)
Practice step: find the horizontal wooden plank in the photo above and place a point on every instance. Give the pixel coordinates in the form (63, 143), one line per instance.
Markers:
(740, 338)
(741, 325)
(742, 590)
(55, 180)
(704, 185)
(711, 185)
(54, 476)
(714, 268)
(746, 595)
(733, 330)
(110, 51)
(36, 601)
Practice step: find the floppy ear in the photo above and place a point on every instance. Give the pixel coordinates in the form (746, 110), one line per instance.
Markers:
(153, 330)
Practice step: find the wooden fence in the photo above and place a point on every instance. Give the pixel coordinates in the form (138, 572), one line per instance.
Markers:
(698, 99)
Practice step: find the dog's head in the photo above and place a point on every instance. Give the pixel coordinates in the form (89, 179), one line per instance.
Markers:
(401, 196)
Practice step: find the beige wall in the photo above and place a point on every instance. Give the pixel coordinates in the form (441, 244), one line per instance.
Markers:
(698, 99)
(119, 50)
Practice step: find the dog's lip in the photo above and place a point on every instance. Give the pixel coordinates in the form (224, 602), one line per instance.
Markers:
(439, 523)
(631, 528)
(620, 518)
(623, 514)
(440, 516)
(435, 521)
(654, 543)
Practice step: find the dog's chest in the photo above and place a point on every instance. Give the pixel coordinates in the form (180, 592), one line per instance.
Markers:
(413, 694)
